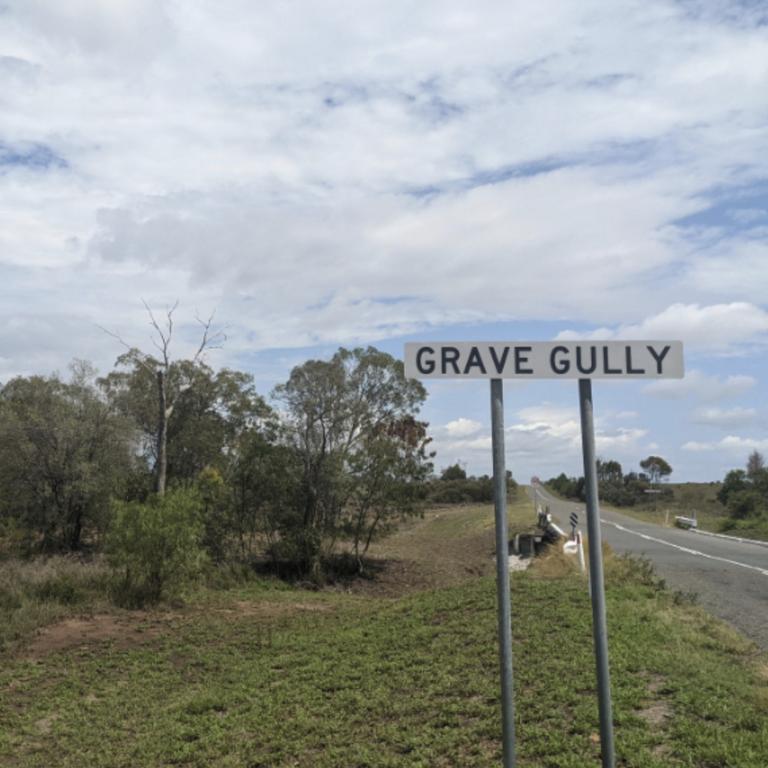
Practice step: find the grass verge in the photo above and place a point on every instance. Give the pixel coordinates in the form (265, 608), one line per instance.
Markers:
(263, 675)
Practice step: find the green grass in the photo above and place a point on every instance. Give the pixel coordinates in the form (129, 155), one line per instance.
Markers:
(408, 682)
(697, 500)
(459, 522)
(752, 528)
(265, 675)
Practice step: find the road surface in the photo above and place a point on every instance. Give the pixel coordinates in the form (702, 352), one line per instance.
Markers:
(729, 577)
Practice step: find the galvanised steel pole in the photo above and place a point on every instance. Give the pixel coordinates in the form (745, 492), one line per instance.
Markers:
(596, 582)
(502, 573)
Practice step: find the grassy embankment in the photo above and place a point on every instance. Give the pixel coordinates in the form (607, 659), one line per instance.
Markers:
(699, 500)
(396, 671)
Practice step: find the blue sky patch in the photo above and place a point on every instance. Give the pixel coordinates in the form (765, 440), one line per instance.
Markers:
(731, 212)
(32, 155)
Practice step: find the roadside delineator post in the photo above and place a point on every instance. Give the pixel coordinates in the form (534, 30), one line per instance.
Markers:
(548, 360)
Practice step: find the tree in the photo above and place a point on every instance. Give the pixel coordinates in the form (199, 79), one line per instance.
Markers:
(745, 494)
(454, 472)
(335, 413)
(609, 471)
(263, 477)
(755, 464)
(734, 482)
(388, 472)
(745, 503)
(657, 468)
(63, 452)
(152, 387)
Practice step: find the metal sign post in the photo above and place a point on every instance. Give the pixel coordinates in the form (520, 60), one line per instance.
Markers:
(502, 572)
(597, 585)
(582, 360)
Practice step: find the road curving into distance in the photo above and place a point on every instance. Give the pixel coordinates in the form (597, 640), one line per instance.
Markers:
(729, 577)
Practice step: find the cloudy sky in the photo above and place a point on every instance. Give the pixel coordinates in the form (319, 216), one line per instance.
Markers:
(344, 172)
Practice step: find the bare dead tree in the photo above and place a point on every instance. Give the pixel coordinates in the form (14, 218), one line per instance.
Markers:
(160, 369)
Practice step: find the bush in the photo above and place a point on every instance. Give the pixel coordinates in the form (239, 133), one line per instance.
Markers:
(745, 503)
(155, 548)
(469, 490)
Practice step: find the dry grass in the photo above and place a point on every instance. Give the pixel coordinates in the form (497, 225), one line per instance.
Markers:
(37, 592)
(554, 564)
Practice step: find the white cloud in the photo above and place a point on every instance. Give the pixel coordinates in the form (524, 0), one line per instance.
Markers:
(733, 266)
(621, 439)
(547, 434)
(360, 176)
(733, 445)
(701, 385)
(726, 418)
(462, 427)
(716, 327)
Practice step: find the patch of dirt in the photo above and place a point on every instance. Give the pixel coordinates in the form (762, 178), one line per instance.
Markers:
(125, 631)
(657, 711)
(45, 724)
(139, 627)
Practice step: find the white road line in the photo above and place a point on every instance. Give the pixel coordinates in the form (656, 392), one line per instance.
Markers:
(763, 571)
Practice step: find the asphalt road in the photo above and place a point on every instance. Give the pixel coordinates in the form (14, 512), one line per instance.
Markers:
(730, 578)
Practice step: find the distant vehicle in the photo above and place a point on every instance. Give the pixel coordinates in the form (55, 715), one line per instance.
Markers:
(535, 480)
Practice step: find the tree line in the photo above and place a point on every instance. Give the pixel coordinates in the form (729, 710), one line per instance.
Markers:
(616, 487)
(455, 486)
(743, 493)
(164, 463)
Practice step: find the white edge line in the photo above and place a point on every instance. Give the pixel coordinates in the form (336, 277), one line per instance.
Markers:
(645, 536)
(725, 536)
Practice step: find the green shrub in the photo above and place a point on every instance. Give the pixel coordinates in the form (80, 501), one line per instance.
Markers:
(62, 589)
(155, 548)
(745, 503)
(467, 490)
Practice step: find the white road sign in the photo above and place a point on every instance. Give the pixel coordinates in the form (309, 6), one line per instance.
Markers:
(544, 360)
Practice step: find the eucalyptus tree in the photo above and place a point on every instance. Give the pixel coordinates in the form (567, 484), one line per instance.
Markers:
(206, 413)
(388, 471)
(656, 467)
(152, 388)
(342, 418)
(63, 454)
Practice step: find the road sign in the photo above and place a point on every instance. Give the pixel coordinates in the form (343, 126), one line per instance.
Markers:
(544, 360)
(574, 519)
(582, 360)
